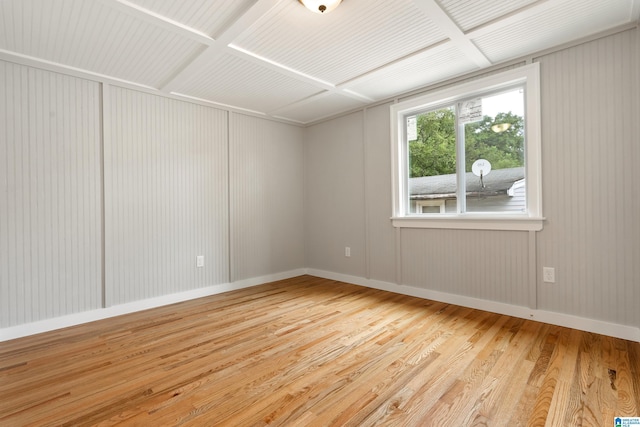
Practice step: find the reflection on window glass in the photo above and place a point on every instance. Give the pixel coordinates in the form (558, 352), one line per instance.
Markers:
(495, 143)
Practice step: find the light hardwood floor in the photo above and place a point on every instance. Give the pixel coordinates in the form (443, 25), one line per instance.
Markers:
(316, 352)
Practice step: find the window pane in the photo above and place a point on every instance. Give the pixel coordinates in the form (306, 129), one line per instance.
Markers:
(432, 157)
(495, 145)
(506, 200)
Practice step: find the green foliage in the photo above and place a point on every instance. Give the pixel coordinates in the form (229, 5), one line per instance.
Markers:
(502, 150)
(434, 151)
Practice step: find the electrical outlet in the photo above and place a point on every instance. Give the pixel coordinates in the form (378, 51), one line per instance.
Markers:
(549, 274)
(200, 261)
(347, 251)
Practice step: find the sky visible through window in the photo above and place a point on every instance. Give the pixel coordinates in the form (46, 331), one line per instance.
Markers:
(504, 102)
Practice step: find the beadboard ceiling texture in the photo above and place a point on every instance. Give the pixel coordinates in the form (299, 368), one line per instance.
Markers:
(275, 58)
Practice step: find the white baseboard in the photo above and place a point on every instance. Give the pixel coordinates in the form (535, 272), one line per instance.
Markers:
(47, 325)
(581, 323)
(560, 319)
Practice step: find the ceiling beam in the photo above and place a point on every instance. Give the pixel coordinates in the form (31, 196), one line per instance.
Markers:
(283, 69)
(223, 44)
(432, 50)
(215, 50)
(300, 103)
(510, 18)
(280, 68)
(440, 18)
(156, 19)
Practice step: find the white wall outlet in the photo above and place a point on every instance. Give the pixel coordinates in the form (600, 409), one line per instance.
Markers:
(347, 251)
(200, 261)
(549, 274)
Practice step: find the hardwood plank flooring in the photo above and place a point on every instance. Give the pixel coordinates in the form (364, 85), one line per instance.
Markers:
(315, 352)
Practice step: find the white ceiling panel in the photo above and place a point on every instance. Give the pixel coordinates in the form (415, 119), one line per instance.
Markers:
(416, 71)
(469, 14)
(276, 58)
(358, 36)
(93, 37)
(320, 106)
(233, 81)
(565, 21)
(207, 16)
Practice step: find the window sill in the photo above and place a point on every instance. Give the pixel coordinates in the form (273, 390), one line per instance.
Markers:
(470, 222)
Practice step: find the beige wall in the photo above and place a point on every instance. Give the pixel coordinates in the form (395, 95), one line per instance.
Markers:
(591, 171)
(334, 197)
(258, 197)
(50, 195)
(267, 188)
(165, 196)
(180, 180)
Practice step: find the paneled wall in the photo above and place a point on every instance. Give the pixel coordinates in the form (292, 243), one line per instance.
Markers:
(489, 265)
(166, 196)
(591, 199)
(267, 189)
(380, 234)
(93, 173)
(50, 195)
(591, 176)
(108, 194)
(334, 196)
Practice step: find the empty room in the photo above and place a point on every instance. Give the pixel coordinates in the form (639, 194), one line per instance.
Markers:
(320, 213)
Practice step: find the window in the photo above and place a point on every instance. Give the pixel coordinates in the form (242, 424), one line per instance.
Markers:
(469, 156)
(430, 206)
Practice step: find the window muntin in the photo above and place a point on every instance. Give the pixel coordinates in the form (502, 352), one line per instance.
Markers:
(439, 137)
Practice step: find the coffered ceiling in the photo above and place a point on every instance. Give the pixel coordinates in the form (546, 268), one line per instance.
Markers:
(275, 58)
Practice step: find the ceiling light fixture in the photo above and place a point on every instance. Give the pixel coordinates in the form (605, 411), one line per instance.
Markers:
(500, 127)
(320, 6)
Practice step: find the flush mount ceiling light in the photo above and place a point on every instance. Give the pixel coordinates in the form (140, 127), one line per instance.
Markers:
(320, 6)
(500, 127)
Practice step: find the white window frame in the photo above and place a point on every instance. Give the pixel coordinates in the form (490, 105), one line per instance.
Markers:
(532, 219)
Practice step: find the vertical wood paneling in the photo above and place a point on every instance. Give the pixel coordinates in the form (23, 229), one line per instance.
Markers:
(5, 171)
(334, 196)
(93, 36)
(50, 209)
(380, 233)
(166, 196)
(490, 265)
(591, 170)
(591, 199)
(267, 181)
